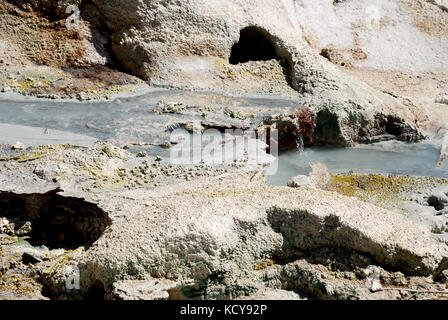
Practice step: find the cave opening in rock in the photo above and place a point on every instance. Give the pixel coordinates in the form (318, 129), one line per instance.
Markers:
(255, 44)
(327, 129)
(281, 134)
(56, 221)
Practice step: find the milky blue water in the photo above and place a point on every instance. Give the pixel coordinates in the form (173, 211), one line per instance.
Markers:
(133, 120)
(392, 157)
(122, 120)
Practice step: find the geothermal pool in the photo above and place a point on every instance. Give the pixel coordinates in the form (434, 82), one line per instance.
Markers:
(391, 157)
(122, 120)
(133, 120)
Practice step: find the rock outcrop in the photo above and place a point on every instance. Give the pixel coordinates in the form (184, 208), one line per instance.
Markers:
(123, 226)
(211, 236)
(276, 47)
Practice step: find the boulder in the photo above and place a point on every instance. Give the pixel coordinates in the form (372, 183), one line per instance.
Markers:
(18, 146)
(150, 289)
(299, 181)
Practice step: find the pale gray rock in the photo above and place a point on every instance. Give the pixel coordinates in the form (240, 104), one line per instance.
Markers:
(273, 294)
(5, 225)
(25, 229)
(189, 45)
(18, 146)
(150, 289)
(299, 181)
(224, 223)
(443, 99)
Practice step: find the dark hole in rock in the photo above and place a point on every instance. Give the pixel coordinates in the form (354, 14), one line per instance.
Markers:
(257, 44)
(96, 291)
(436, 202)
(56, 221)
(394, 126)
(327, 129)
(286, 134)
(254, 45)
(399, 128)
(29, 259)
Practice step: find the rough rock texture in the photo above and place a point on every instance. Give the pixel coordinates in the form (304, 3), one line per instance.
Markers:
(40, 55)
(143, 228)
(398, 47)
(152, 48)
(210, 234)
(192, 45)
(149, 289)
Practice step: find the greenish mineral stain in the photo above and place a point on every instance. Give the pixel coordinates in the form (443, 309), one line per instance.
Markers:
(327, 128)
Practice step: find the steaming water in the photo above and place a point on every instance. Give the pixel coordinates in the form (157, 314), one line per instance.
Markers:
(121, 121)
(391, 157)
(34, 136)
(131, 119)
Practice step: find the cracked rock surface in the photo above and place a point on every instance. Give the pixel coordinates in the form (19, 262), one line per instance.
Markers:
(225, 234)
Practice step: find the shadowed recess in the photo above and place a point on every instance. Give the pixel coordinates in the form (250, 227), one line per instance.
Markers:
(254, 45)
(56, 221)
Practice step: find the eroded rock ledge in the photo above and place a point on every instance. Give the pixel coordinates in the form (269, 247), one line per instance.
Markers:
(223, 234)
(201, 46)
